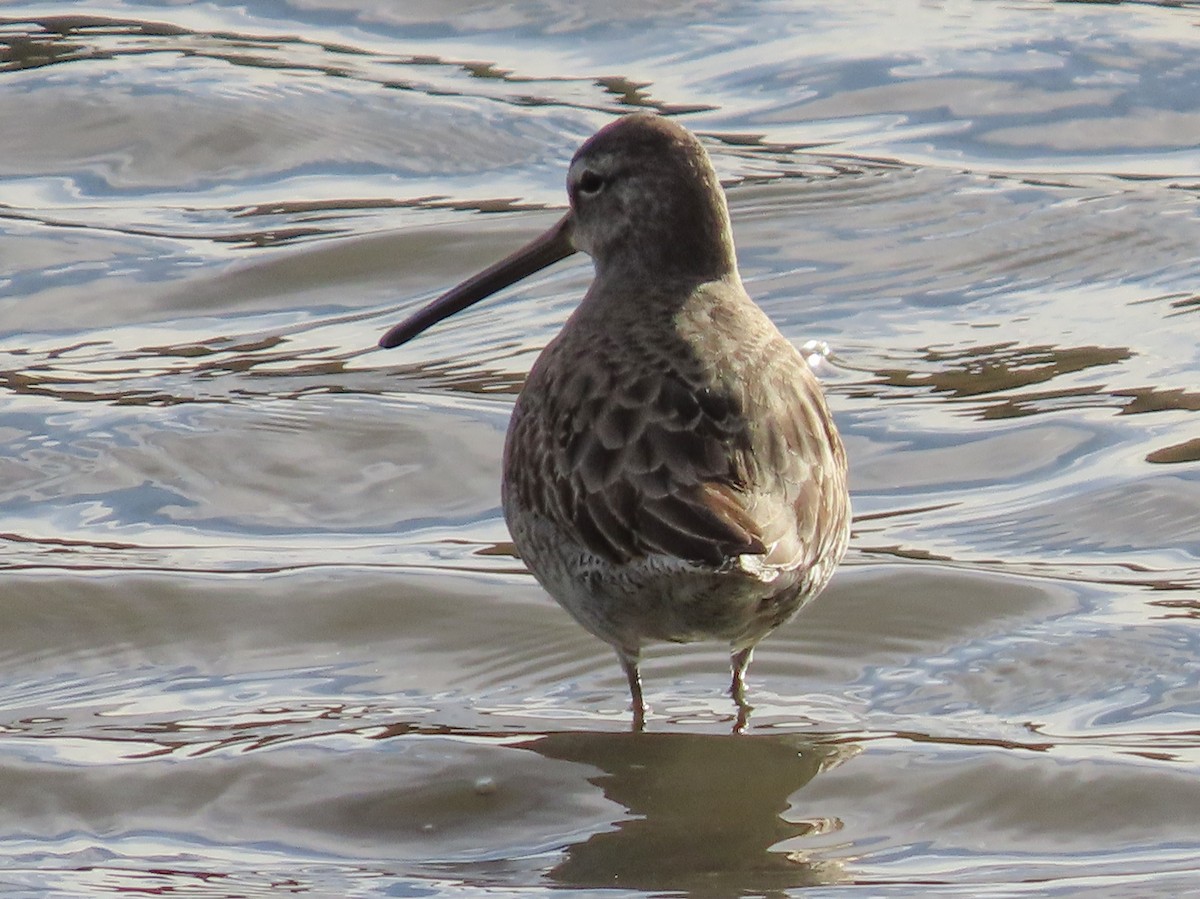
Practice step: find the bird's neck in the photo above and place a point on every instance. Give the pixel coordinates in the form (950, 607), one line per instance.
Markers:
(619, 295)
(689, 257)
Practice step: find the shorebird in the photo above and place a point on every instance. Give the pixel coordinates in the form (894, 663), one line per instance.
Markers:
(671, 470)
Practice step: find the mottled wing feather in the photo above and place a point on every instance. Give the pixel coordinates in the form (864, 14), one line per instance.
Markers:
(630, 472)
(682, 461)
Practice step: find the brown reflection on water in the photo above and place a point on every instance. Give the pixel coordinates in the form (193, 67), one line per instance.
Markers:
(27, 51)
(463, 377)
(134, 377)
(1177, 608)
(1188, 451)
(998, 368)
(710, 812)
(1157, 399)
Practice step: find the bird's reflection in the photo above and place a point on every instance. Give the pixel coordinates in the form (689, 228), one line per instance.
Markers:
(707, 812)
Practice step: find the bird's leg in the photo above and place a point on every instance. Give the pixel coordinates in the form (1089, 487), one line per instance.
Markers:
(629, 662)
(740, 661)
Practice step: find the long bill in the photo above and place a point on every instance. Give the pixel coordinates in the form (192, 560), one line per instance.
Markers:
(540, 252)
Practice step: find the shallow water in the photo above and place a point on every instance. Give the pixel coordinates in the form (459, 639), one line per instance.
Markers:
(263, 630)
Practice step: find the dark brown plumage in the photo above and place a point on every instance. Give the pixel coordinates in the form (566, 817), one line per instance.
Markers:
(671, 471)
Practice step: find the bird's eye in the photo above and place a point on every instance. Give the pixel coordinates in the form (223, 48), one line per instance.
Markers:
(590, 183)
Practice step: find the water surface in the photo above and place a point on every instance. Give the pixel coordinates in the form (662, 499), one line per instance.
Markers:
(264, 631)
